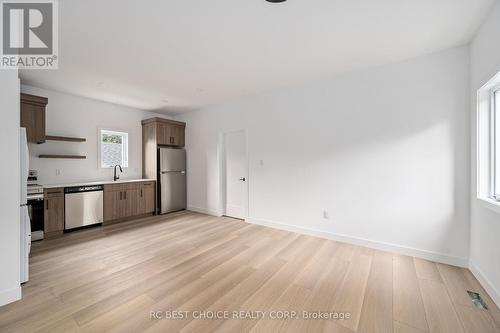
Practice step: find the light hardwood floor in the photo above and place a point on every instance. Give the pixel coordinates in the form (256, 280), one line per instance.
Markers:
(111, 278)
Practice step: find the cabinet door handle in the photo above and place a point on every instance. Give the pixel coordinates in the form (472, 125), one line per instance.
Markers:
(141, 192)
(121, 195)
(47, 204)
(125, 195)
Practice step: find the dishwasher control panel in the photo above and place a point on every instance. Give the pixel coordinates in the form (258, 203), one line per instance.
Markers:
(77, 189)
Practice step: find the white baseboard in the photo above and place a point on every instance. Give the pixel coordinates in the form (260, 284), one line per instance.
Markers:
(204, 211)
(486, 283)
(428, 255)
(10, 295)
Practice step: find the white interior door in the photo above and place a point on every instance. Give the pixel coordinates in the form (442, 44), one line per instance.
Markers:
(236, 174)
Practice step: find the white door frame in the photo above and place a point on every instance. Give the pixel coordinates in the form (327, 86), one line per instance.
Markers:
(221, 152)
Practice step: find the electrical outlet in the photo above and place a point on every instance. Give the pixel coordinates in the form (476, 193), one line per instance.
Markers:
(58, 172)
(325, 215)
(261, 162)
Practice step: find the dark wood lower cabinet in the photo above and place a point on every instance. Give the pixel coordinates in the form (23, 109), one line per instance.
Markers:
(147, 198)
(53, 212)
(125, 200)
(121, 201)
(112, 205)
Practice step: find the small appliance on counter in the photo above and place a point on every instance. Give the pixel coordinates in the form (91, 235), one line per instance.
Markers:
(35, 206)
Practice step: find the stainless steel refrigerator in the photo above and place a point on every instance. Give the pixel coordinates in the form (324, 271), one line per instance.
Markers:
(172, 176)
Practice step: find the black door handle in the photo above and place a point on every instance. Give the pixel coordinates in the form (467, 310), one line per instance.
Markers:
(243, 179)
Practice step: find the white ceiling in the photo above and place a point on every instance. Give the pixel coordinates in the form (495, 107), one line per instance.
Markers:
(177, 55)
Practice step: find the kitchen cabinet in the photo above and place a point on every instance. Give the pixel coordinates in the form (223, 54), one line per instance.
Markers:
(53, 211)
(147, 203)
(178, 134)
(33, 117)
(126, 200)
(113, 205)
(166, 132)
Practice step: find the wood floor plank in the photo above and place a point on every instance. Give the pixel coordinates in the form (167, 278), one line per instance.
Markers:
(289, 305)
(408, 304)
(322, 296)
(187, 301)
(439, 310)
(233, 299)
(456, 284)
(403, 328)
(427, 270)
(493, 309)
(376, 315)
(108, 320)
(65, 325)
(475, 320)
(263, 298)
(311, 275)
(350, 295)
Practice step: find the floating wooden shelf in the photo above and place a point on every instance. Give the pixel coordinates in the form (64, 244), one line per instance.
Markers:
(79, 157)
(64, 138)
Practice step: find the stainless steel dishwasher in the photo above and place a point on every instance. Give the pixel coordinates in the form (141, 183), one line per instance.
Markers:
(83, 206)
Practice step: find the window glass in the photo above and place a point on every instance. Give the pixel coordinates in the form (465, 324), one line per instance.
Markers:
(114, 148)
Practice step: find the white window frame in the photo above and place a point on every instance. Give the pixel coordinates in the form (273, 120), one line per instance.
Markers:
(486, 132)
(125, 152)
(494, 133)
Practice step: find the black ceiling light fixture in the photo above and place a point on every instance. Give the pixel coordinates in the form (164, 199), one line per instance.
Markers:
(275, 1)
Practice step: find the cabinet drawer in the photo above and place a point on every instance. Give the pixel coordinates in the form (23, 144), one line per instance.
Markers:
(113, 187)
(53, 192)
(131, 186)
(121, 186)
(147, 184)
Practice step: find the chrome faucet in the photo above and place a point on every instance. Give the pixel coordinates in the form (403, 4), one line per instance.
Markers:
(115, 177)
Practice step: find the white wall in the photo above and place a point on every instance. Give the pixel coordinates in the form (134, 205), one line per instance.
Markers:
(10, 289)
(384, 151)
(485, 223)
(70, 115)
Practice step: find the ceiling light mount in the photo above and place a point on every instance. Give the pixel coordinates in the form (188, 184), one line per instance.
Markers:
(275, 1)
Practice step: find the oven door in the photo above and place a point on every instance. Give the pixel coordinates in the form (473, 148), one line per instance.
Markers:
(36, 215)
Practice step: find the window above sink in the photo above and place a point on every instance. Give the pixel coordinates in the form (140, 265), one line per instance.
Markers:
(113, 148)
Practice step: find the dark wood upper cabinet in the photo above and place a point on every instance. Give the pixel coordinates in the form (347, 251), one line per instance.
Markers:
(33, 117)
(166, 132)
